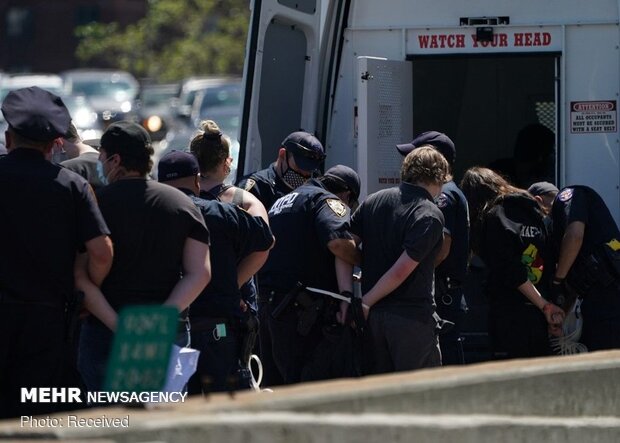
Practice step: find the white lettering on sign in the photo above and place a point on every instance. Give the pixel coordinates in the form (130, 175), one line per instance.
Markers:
(434, 42)
(593, 116)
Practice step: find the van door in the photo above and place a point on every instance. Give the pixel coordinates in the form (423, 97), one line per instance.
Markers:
(281, 76)
(384, 119)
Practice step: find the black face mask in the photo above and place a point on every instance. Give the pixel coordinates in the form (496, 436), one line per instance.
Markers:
(293, 178)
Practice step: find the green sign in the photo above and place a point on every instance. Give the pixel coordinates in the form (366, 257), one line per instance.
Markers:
(141, 350)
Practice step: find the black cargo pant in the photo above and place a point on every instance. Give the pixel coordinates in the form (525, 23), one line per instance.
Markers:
(32, 344)
(448, 300)
(601, 318)
(290, 350)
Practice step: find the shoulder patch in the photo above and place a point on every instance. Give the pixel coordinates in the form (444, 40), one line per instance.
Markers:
(337, 207)
(442, 200)
(565, 195)
(249, 184)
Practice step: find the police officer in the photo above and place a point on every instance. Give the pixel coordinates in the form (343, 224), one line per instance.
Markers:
(587, 244)
(451, 261)
(314, 248)
(216, 316)
(299, 155)
(47, 214)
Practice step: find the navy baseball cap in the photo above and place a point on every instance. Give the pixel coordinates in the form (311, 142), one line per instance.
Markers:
(348, 176)
(125, 137)
(306, 149)
(36, 114)
(177, 164)
(542, 188)
(437, 140)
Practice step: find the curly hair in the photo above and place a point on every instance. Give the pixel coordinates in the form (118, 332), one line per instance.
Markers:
(425, 165)
(210, 146)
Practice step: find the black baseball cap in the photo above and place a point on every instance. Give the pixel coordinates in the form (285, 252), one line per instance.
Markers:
(177, 164)
(126, 138)
(36, 114)
(347, 175)
(437, 140)
(306, 149)
(542, 188)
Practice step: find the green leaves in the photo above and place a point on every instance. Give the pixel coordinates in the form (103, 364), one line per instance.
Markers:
(176, 39)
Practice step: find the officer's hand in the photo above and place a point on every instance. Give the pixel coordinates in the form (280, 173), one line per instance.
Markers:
(562, 295)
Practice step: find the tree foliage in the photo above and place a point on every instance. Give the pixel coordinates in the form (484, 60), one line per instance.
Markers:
(176, 39)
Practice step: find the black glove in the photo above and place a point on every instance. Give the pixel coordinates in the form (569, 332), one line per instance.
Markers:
(558, 291)
(561, 295)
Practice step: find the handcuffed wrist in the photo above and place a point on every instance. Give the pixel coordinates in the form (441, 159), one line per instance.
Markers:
(365, 306)
(557, 280)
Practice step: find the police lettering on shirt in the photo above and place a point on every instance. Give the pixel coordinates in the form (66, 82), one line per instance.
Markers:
(283, 203)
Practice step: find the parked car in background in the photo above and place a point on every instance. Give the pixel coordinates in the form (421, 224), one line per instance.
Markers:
(216, 99)
(154, 108)
(50, 82)
(111, 93)
(84, 116)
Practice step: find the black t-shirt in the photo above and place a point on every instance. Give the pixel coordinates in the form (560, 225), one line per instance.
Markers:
(392, 221)
(86, 166)
(265, 185)
(150, 222)
(46, 213)
(453, 206)
(514, 248)
(234, 235)
(303, 223)
(583, 204)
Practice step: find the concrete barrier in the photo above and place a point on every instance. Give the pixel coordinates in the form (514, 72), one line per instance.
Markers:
(559, 399)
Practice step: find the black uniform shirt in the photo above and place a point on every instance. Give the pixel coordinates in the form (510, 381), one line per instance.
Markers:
(514, 247)
(234, 235)
(392, 221)
(150, 223)
(453, 206)
(265, 185)
(46, 214)
(303, 223)
(581, 203)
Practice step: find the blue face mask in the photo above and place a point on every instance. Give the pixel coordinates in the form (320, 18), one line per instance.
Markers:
(101, 175)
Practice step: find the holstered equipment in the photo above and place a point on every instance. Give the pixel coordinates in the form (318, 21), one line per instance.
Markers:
(286, 301)
(308, 310)
(248, 334)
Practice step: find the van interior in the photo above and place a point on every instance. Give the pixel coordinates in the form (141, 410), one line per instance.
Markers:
(483, 101)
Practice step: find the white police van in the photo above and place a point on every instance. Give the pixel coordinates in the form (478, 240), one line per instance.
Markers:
(365, 75)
